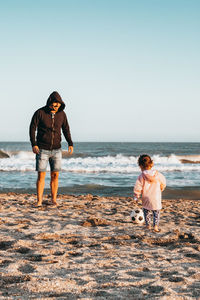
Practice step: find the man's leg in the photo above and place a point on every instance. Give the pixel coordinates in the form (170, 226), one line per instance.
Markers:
(40, 187)
(54, 186)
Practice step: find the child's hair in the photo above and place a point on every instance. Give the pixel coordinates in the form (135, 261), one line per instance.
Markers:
(145, 161)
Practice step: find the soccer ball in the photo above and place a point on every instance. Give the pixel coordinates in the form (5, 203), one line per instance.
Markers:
(137, 216)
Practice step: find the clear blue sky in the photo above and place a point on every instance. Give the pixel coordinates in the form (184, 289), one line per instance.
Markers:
(128, 70)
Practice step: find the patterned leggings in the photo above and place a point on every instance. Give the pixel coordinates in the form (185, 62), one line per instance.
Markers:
(147, 216)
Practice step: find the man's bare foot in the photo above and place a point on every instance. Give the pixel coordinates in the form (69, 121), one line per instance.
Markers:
(53, 203)
(37, 204)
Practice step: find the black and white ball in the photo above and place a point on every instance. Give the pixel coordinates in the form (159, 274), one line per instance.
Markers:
(137, 216)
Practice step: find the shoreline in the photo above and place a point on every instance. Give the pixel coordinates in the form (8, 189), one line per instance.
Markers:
(190, 193)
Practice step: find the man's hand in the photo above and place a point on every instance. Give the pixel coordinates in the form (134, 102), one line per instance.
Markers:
(70, 149)
(36, 150)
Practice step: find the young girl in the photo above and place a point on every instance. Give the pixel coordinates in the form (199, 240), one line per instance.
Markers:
(150, 184)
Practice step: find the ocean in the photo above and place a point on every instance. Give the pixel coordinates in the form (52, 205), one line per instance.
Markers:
(101, 168)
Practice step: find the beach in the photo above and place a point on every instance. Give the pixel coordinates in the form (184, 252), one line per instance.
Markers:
(89, 248)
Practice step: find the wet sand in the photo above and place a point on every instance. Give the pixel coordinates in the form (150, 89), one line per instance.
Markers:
(88, 248)
(192, 193)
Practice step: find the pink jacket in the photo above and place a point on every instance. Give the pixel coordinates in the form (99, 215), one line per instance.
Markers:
(150, 184)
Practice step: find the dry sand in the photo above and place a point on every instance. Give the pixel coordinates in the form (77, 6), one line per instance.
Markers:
(88, 248)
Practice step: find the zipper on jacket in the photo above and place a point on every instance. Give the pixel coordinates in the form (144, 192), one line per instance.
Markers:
(52, 136)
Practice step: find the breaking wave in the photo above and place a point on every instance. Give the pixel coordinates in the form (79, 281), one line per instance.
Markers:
(25, 161)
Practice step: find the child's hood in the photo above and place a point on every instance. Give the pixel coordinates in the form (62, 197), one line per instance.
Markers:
(150, 175)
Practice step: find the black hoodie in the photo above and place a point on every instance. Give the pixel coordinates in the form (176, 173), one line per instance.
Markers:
(49, 126)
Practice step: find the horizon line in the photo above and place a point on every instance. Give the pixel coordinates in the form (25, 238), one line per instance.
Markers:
(169, 141)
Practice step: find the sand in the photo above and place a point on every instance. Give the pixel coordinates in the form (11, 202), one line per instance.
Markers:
(88, 248)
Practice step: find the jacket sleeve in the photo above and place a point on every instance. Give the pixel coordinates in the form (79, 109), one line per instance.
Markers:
(66, 131)
(32, 128)
(138, 187)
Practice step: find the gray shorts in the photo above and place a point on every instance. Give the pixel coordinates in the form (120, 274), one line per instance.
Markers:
(54, 158)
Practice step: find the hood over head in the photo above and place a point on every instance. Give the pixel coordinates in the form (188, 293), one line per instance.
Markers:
(150, 175)
(55, 97)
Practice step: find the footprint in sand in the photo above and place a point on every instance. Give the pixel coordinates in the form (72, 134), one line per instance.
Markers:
(26, 269)
(5, 280)
(23, 250)
(6, 262)
(35, 257)
(4, 245)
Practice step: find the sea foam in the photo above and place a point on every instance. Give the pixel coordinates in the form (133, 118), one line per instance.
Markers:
(25, 161)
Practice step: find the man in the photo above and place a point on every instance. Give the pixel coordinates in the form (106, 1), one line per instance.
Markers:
(48, 121)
